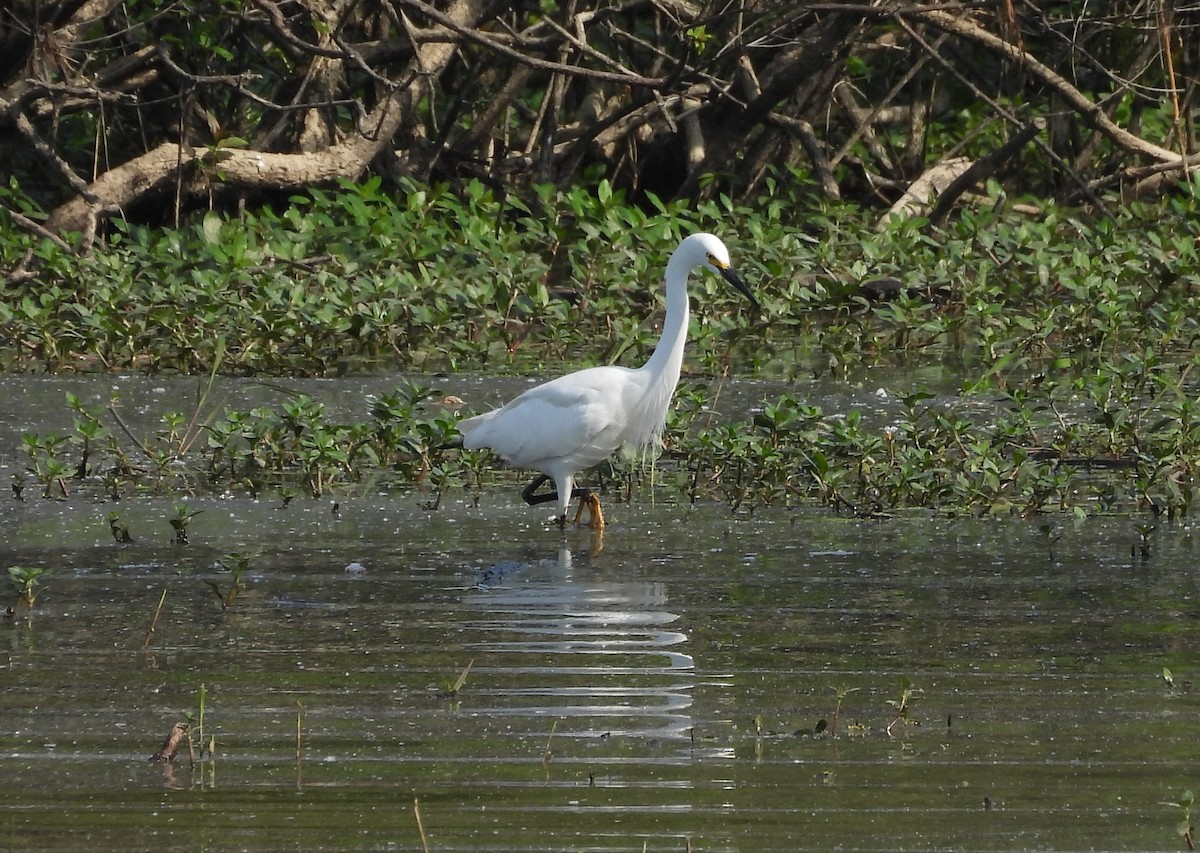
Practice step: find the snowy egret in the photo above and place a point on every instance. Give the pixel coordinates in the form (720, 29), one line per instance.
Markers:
(576, 421)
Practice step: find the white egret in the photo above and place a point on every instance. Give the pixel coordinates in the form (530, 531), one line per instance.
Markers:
(571, 423)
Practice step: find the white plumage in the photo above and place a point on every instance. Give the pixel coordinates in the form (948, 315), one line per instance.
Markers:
(576, 421)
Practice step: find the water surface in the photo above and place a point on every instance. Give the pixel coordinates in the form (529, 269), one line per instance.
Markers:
(643, 690)
(657, 689)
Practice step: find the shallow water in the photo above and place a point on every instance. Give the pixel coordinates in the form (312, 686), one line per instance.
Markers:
(650, 690)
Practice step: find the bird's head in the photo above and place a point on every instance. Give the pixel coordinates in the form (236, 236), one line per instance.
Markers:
(707, 250)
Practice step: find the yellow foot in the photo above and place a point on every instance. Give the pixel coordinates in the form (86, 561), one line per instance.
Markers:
(592, 502)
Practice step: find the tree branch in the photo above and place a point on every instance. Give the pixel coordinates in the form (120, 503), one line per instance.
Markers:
(1079, 102)
(534, 62)
(981, 169)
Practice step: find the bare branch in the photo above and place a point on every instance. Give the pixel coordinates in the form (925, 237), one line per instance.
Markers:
(534, 62)
(1079, 102)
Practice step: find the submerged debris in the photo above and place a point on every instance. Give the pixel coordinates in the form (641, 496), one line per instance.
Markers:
(179, 735)
(120, 530)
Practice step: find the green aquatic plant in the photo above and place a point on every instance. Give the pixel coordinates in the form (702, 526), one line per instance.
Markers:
(321, 453)
(1185, 828)
(903, 705)
(25, 581)
(839, 693)
(1142, 548)
(207, 741)
(181, 521)
(928, 457)
(454, 687)
(46, 462)
(1071, 339)
(89, 432)
(314, 287)
(1051, 534)
(235, 564)
(1026, 457)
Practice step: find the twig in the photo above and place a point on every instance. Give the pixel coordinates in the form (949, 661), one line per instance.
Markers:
(546, 755)
(195, 425)
(420, 825)
(154, 621)
(1164, 34)
(129, 433)
(997, 108)
(543, 64)
(39, 229)
(1089, 111)
(26, 129)
(285, 32)
(813, 149)
(867, 117)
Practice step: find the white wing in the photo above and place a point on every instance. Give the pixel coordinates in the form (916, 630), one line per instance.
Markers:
(571, 423)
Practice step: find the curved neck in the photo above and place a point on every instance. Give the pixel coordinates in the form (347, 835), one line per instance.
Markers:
(667, 358)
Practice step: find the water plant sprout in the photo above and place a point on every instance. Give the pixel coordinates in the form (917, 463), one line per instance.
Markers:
(576, 421)
(25, 580)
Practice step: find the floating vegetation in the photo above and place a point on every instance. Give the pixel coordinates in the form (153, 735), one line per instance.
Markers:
(1000, 454)
(1072, 339)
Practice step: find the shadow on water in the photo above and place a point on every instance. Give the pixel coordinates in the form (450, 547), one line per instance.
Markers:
(658, 690)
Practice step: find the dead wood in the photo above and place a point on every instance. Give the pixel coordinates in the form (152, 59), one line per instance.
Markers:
(982, 169)
(177, 737)
(922, 192)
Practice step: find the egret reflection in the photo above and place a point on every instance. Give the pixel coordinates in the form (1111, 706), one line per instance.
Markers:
(607, 656)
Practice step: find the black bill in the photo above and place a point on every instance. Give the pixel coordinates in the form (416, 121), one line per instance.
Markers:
(736, 280)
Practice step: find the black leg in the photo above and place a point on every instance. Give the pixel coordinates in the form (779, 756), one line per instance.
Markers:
(527, 494)
(533, 500)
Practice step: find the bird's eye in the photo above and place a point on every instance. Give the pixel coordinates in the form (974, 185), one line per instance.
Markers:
(712, 259)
